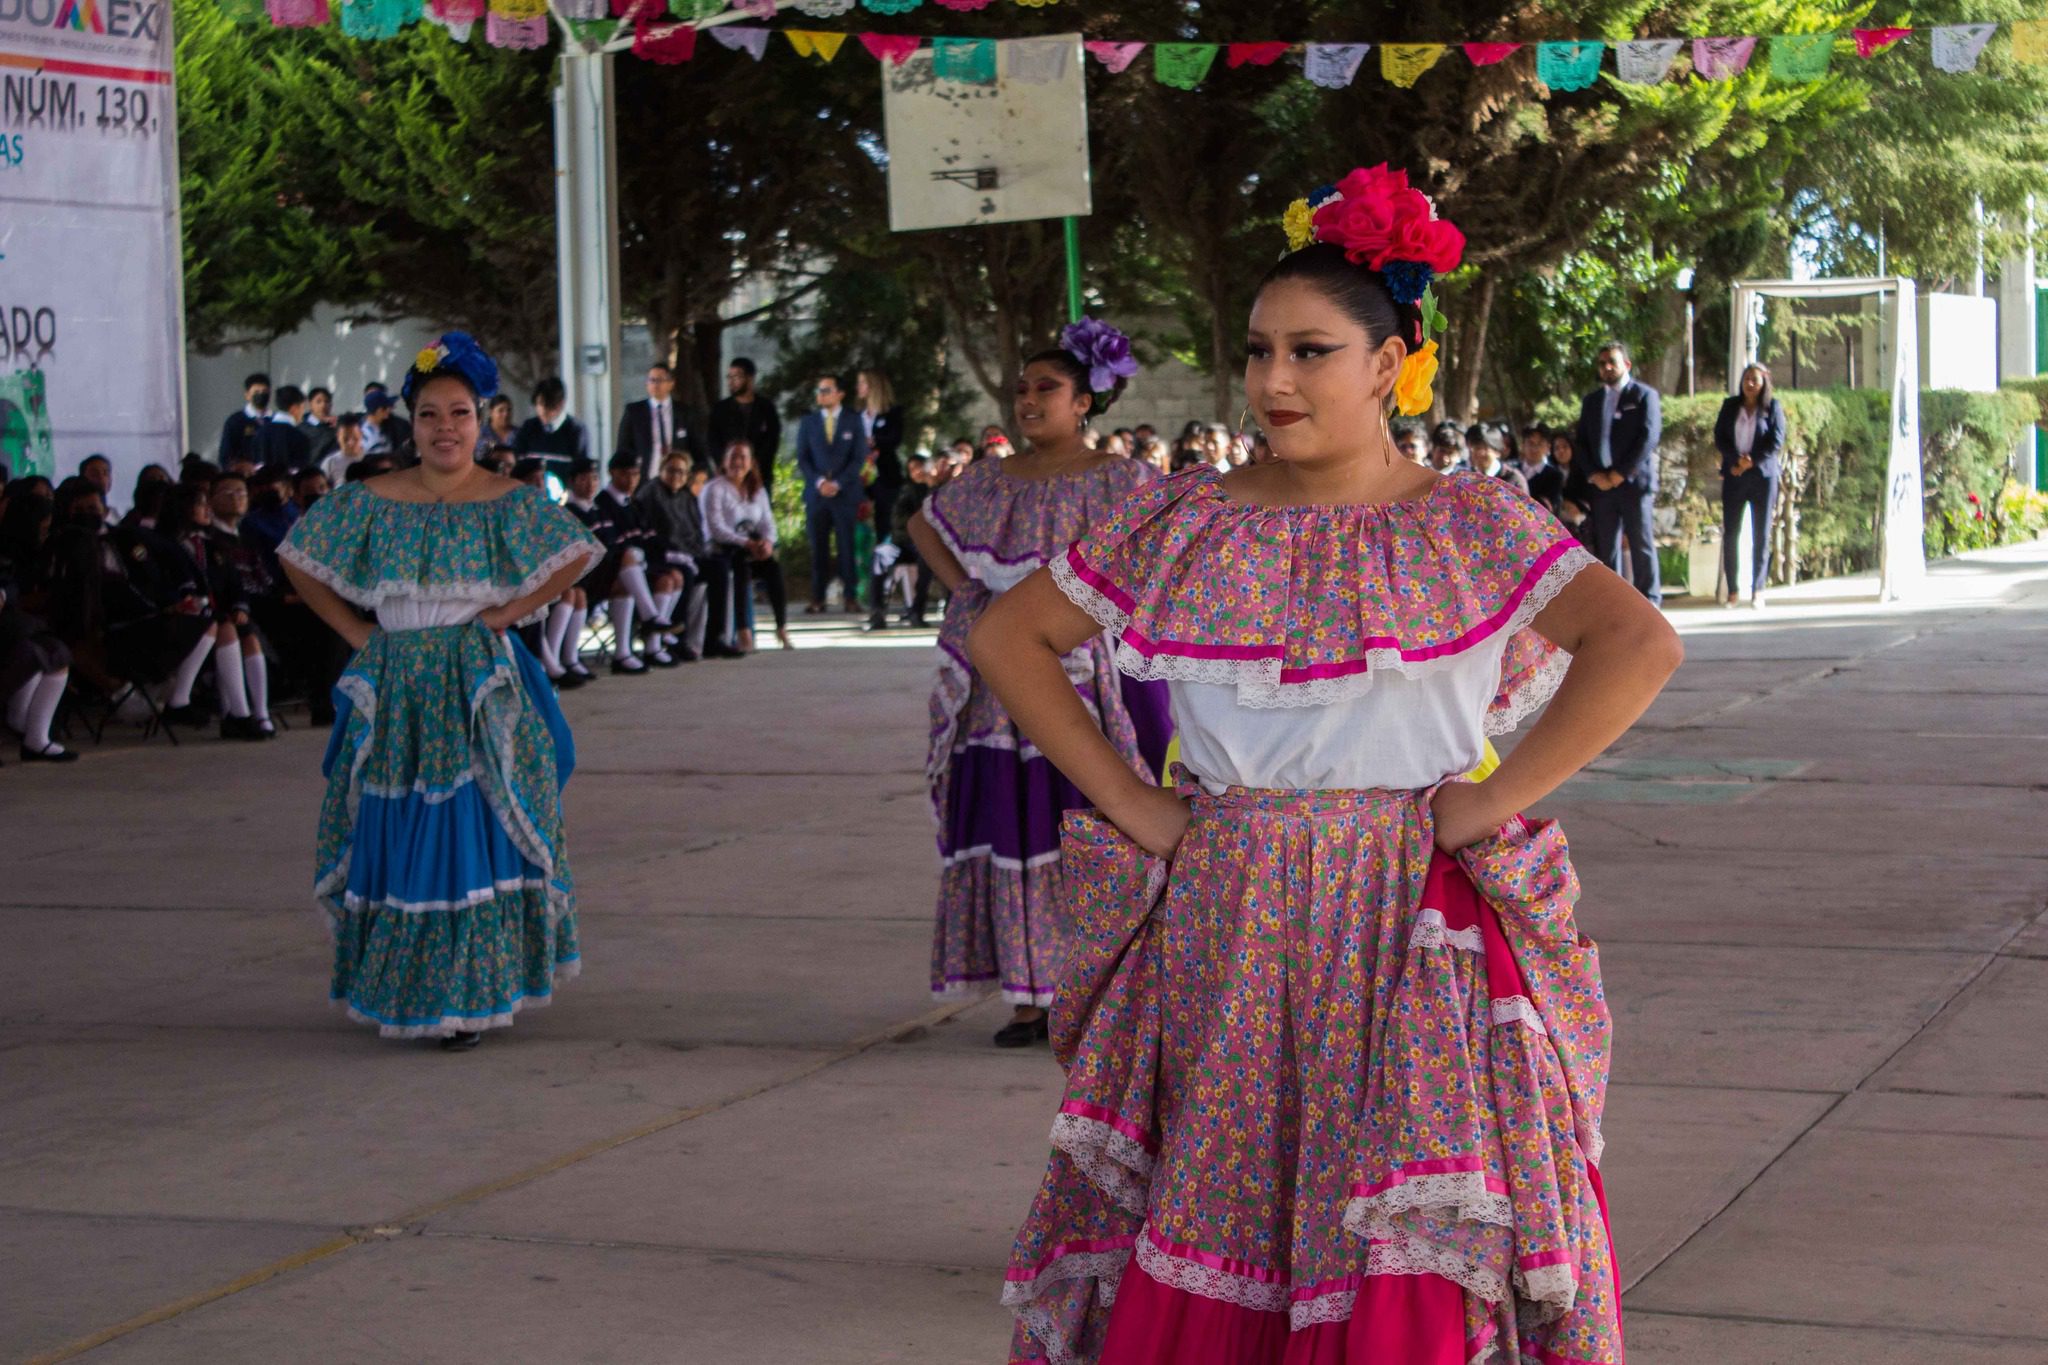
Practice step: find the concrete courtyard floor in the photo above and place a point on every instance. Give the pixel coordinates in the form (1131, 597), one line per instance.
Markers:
(1817, 872)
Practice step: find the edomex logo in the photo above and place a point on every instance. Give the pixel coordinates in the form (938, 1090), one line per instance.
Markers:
(115, 18)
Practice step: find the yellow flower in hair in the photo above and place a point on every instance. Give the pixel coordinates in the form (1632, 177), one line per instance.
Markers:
(1412, 388)
(1300, 225)
(428, 358)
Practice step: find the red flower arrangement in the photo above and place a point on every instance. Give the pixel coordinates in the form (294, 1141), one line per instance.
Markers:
(1378, 218)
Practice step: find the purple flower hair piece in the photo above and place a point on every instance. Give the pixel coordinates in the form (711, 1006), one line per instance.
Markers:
(1102, 350)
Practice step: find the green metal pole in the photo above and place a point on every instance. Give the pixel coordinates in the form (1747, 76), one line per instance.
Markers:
(1073, 226)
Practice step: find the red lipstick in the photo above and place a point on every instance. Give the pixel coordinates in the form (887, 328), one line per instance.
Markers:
(1281, 418)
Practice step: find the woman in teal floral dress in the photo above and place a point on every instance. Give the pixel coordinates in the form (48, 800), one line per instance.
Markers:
(441, 861)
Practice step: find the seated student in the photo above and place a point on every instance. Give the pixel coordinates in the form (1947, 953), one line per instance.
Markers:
(35, 665)
(644, 572)
(741, 523)
(1447, 448)
(557, 639)
(669, 507)
(618, 580)
(1489, 457)
(116, 598)
(240, 678)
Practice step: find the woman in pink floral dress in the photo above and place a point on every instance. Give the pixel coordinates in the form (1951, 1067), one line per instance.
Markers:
(998, 801)
(1336, 1052)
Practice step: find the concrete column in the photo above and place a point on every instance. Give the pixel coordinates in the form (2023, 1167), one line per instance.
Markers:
(587, 239)
(2016, 353)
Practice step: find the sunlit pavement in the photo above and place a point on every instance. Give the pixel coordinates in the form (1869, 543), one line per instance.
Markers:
(746, 1134)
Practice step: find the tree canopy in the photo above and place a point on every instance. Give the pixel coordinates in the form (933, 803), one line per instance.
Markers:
(415, 175)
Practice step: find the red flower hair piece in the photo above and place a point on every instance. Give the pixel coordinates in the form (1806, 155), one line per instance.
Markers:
(1378, 218)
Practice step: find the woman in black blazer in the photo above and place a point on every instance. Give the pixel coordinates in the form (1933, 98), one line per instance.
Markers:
(884, 422)
(1750, 434)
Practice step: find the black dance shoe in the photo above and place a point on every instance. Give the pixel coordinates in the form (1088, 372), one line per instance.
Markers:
(50, 754)
(1024, 1032)
(461, 1042)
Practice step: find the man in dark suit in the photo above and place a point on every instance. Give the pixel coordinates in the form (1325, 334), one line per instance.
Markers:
(830, 448)
(1620, 424)
(653, 426)
(743, 415)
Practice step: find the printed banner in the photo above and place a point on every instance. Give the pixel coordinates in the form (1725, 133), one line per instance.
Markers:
(89, 255)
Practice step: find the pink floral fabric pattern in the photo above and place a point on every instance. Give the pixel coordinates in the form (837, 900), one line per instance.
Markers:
(1320, 1052)
(1299, 606)
(997, 801)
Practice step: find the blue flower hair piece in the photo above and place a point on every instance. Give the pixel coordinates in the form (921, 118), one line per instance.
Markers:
(455, 353)
(1407, 281)
(1102, 350)
(1321, 195)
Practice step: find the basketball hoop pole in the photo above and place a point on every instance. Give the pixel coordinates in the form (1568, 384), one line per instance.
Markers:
(1073, 226)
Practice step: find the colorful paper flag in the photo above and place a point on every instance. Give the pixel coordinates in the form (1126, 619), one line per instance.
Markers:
(824, 46)
(592, 34)
(1799, 57)
(1333, 65)
(1404, 63)
(1038, 61)
(377, 19)
(1645, 61)
(894, 48)
(1255, 54)
(1569, 66)
(1871, 41)
(822, 9)
(520, 35)
(1115, 56)
(665, 44)
(964, 6)
(1957, 46)
(457, 11)
(585, 9)
(759, 9)
(890, 6)
(1182, 65)
(1487, 54)
(299, 13)
(742, 38)
(971, 61)
(1721, 59)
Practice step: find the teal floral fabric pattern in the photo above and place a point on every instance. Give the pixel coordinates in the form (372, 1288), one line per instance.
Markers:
(368, 548)
(441, 861)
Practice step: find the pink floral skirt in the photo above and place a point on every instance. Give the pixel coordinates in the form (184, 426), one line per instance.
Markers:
(1332, 1097)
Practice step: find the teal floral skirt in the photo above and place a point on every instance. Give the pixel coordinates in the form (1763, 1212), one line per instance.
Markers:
(441, 862)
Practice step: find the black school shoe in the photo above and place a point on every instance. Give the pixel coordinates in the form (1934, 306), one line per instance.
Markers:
(190, 715)
(1025, 1032)
(59, 755)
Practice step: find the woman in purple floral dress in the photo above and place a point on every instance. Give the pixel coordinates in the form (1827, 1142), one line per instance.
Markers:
(1336, 1051)
(997, 800)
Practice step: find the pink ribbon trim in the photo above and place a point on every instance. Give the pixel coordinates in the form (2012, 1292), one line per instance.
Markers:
(1114, 1120)
(1065, 1249)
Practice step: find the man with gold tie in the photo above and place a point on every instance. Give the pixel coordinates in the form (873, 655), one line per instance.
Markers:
(829, 451)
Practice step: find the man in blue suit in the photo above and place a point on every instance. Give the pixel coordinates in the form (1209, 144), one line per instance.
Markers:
(1620, 424)
(829, 448)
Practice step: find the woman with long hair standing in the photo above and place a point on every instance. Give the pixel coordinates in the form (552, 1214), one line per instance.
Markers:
(441, 860)
(1335, 1050)
(1750, 435)
(998, 801)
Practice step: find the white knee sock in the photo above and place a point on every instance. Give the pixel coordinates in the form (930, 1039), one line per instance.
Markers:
(665, 605)
(17, 706)
(227, 678)
(551, 656)
(572, 643)
(622, 624)
(256, 670)
(49, 688)
(188, 670)
(633, 579)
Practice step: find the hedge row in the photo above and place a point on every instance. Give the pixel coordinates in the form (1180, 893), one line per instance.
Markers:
(1829, 496)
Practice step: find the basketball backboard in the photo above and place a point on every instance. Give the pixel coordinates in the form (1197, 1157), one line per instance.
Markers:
(1011, 149)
